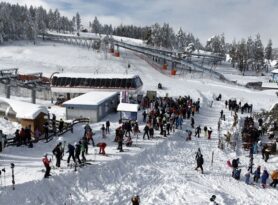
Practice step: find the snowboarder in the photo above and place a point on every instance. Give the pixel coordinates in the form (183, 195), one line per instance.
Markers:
(57, 151)
(71, 150)
(46, 163)
(264, 178)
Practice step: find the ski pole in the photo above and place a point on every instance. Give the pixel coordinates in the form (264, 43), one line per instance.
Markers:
(13, 181)
(4, 171)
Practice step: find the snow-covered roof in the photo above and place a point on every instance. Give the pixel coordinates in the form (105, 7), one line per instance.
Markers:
(127, 107)
(274, 71)
(92, 75)
(24, 110)
(270, 85)
(90, 98)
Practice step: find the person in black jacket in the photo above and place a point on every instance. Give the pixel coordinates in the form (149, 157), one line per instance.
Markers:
(107, 127)
(200, 162)
(71, 153)
(146, 132)
(135, 200)
(192, 122)
(57, 151)
(77, 151)
(61, 125)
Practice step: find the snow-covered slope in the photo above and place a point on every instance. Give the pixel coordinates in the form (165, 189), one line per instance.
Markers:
(161, 171)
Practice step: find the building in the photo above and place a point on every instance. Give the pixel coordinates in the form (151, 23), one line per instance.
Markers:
(274, 75)
(92, 105)
(24, 113)
(128, 111)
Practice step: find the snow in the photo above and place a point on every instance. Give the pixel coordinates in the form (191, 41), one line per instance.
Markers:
(94, 75)
(90, 98)
(274, 71)
(270, 85)
(24, 110)
(127, 107)
(160, 170)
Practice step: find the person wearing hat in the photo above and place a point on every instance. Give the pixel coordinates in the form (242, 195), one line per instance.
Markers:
(46, 163)
(274, 177)
(135, 200)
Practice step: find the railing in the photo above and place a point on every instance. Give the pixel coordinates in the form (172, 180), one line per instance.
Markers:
(68, 127)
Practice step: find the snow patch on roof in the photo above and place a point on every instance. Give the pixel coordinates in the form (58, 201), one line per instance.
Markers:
(92, 75)
(90, 98)
(24, 110)
(127, 107)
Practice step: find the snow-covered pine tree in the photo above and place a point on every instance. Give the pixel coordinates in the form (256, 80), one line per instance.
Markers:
(78, 22)
(96, 26)
(268, 50)
(258, 53)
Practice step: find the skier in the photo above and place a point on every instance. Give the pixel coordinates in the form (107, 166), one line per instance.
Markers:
(135, 200)
(101, 148)
(46, 163)
(212, 199)
(77, 151)
(46, 131)
(198, 131)
(236, 174)
(146, 132)
(120, 141)
(83, 150)
(61, 125)
(189, 134)
(57, 151)
(206, 131)
(221, 114)
(168, 125)
(250, 166)
(192, 122)
(264, 178)
(71, 150)
(89, 136)
(198, 154)
(200, 162)
(144, 116)
(209, 132)
(257, 174)
(107, 126)
(87, 128)
(103, 131)
(151, 132)
(274, 177)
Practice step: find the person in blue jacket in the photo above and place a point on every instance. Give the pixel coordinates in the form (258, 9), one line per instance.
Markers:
(71, 150)
(264, 178)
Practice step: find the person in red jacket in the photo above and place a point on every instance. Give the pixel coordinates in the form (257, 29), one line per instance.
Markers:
(46, 163)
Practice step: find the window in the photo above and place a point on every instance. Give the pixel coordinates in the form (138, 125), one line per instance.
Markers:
(123, 84)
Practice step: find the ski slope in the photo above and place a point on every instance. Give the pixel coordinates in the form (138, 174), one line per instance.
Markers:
(161, 171)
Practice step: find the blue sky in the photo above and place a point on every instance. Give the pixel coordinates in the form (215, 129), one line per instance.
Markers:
(204, 18)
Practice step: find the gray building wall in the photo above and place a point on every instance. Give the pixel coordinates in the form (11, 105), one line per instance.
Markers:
(94, 113)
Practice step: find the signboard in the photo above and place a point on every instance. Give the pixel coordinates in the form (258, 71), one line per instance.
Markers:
(151, 94)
